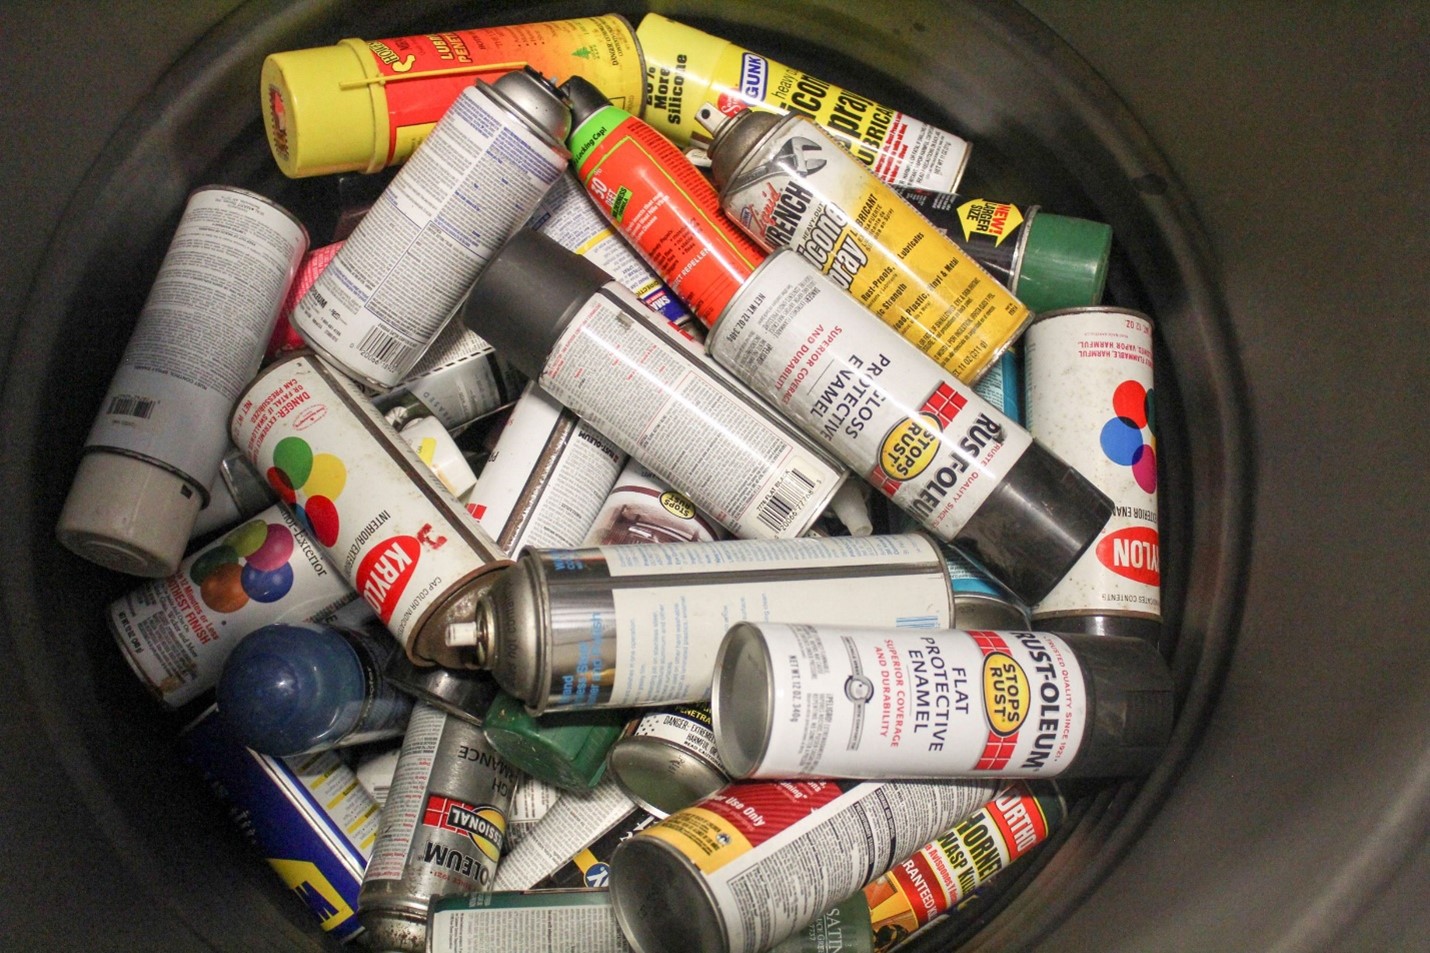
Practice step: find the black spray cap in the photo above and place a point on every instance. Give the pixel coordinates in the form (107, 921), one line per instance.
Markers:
(1035, 524)
(584, 99)
(525, 296)
(1130, 707)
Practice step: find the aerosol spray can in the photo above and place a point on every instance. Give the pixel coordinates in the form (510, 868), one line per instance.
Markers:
(435, 447)
(443, 828)
(384, 519)
(716, 877)
(559, 319)
(1090, 399)
(574, 822)
(460, 379)
(363, 105)
(307, 815)
(942, 704)
(791, 186)
(617, 626)
(156, 444)
(659, 201)
(947, 870)
(285, 339)
(590, 867)
(642, 509)
(950, 459)
(687, 69)
(237, 493)
(1048, 261)
(666, 759)
(410, 262)
(175, 633)
(568, 214)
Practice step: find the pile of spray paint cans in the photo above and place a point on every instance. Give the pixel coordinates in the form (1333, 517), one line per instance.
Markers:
(670, 518)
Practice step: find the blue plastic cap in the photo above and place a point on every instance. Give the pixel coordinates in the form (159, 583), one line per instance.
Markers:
(291, 688)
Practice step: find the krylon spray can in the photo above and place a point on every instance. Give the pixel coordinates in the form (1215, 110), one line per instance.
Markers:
(666, 759)
(443, 828)
(791, 186)
(755, 862)
(1090, 399)
(942, 704)
(687, 69)
(617, 626)
(947, 870)
(950, 459)
(408, 265)
(156, 444)
(595, 348)
(363, 105)
(1048, 261)
(176, 633)
(383, 518)
(660, 202)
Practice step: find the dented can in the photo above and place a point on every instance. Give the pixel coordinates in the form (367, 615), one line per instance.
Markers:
(617, 626)
(666, 760)
(1091, 400)
(884, 703)
(408, 265)
(687, 69)
(392, 530)
(958, 465)
(757, 861)
(443, 828)
(361, 106)
(595, 348)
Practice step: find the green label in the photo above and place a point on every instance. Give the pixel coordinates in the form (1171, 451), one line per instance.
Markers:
(589, 134)
(618, 205)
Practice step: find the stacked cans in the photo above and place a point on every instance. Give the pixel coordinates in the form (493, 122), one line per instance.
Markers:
(669, 674)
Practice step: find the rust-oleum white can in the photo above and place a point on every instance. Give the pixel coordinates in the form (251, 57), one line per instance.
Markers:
(799, 701)
(598, 350)
(405, 270)
(1090, 400)
(953, 461)
(356, 487)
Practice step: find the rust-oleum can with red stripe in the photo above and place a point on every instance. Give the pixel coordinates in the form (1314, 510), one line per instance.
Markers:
(889, 703)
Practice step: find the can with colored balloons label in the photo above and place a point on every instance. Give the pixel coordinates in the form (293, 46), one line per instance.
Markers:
(1090, 400)
(384, 519)
(176, 633)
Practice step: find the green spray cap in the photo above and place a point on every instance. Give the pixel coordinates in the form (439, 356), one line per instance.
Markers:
(567, 749)
(1064, 262)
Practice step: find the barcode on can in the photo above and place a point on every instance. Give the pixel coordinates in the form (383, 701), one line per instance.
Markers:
(785, 498)
(384, 350)
(126, 406)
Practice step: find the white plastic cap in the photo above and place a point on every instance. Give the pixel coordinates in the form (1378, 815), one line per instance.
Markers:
(128, 515)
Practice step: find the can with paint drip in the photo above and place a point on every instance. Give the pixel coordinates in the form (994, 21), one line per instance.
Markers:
(443, 828)
(942, 704)
(1091, 400)
(954, 462)
(387, 523)
(617, 626)
(595, 348)
(364, 105)
(155, 446)
(687, 68)
(406, 268)
(666, 760)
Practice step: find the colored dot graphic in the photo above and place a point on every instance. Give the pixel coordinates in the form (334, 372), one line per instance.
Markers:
(309, 483)
(249, 563)
(1122, 436)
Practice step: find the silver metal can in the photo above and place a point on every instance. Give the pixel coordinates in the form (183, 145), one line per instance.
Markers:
(443, 828)
(666, 760)
(616, 626)
(460, 379)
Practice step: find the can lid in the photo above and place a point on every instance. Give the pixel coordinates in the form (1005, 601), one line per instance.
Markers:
(320, 114)
(1130, 706)
(584, 98)
(128, 514)
(567, 749)
(535, 97)
(734, 140)
(1035, 524)
(663, 901)
(525, 296)
(742, 719)
(1064, 262)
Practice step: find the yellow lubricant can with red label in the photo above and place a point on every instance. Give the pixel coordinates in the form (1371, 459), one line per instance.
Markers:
(790, 185)
(687, 69)
(361, 106)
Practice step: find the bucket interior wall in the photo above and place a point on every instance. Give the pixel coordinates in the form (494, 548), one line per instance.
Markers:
(1290, 812)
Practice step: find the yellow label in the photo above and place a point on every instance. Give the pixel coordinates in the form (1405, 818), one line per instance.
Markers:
(891, 916)
(677, 505)
(408, 139)
(1005, 693)
(909, 447)
(703, 837)
(304, 879)
(997, 220)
